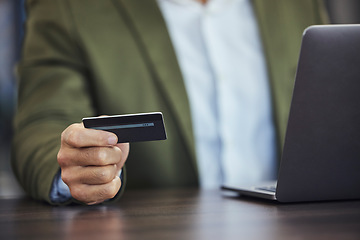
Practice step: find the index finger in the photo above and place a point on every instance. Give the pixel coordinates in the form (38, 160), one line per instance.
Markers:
(76, 135)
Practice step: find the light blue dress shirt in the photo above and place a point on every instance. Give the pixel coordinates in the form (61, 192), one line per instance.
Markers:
(220, 54)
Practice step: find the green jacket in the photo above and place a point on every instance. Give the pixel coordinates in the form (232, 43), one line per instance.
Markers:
(88, 58)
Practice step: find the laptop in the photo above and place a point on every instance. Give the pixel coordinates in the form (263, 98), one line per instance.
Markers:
(321, 154)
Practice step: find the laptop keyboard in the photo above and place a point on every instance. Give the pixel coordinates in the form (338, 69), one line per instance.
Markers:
(267, 188)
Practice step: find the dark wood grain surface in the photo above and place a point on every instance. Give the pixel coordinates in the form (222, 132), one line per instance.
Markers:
(180, 214)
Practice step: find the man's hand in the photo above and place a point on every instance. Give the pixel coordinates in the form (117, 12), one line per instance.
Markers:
(90, 162)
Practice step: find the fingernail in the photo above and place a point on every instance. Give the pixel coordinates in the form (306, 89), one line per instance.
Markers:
(112, 140)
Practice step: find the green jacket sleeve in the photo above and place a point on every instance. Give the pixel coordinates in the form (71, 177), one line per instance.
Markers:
(53, 93)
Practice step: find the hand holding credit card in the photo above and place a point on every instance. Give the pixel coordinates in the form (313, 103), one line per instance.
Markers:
(130, 127)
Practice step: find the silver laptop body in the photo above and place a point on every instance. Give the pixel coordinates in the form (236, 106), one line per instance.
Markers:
(321, 154)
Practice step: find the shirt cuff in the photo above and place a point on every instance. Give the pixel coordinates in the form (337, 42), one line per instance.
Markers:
(60, 192)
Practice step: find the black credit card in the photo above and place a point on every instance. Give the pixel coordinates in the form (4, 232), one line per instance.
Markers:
(130, 127)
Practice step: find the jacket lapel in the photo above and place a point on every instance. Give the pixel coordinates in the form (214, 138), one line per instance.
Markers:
(281, 60)
(149, 28)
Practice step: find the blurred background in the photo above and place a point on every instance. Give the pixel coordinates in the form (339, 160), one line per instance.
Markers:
(12, 16)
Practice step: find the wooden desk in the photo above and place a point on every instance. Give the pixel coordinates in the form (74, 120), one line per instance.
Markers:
(180, 214)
